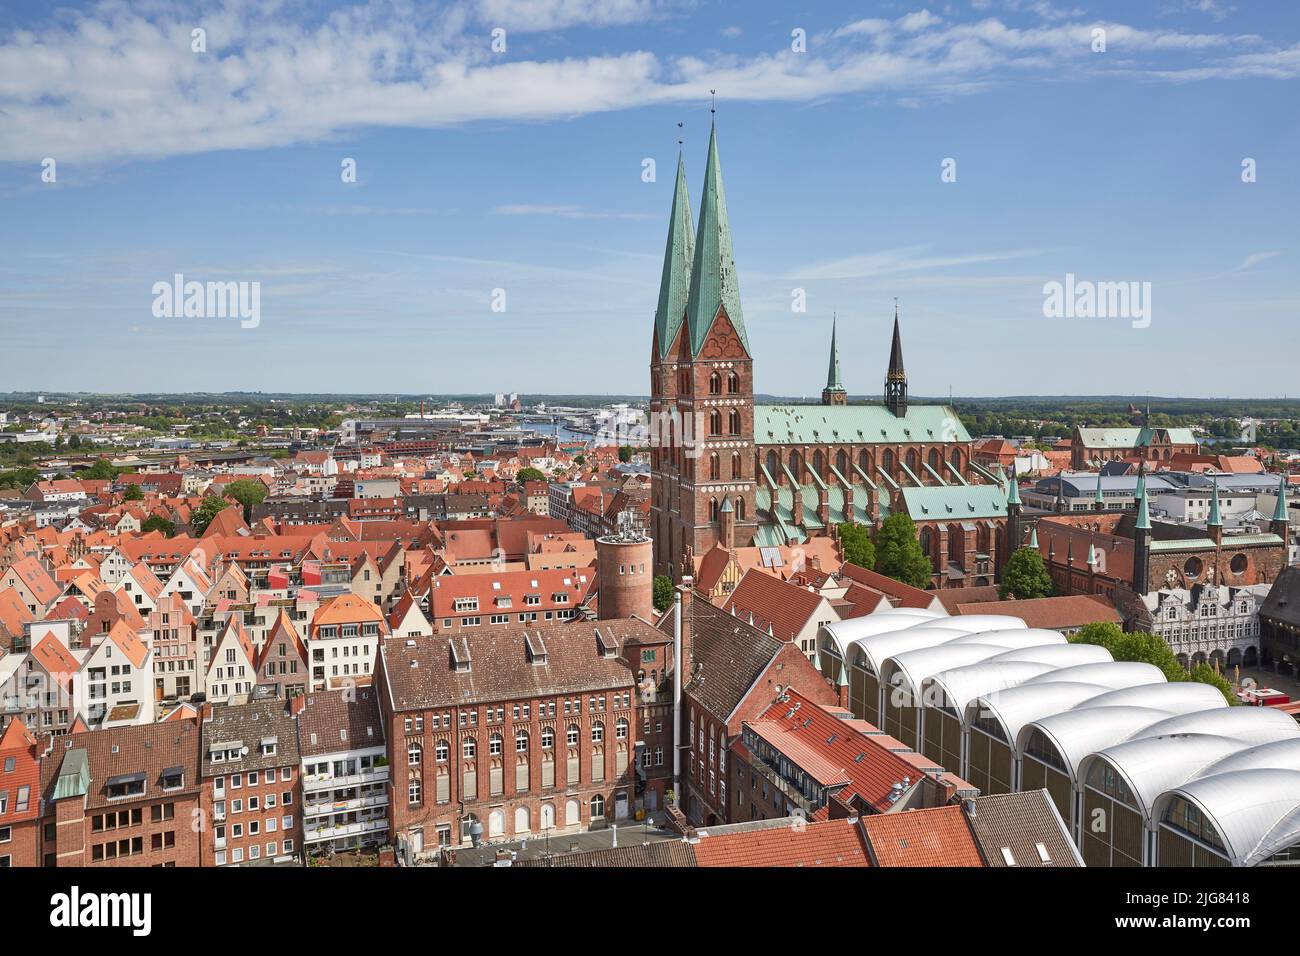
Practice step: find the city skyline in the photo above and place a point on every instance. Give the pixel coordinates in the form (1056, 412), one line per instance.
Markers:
(834, 160)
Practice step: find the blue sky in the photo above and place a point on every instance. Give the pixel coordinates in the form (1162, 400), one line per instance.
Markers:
(522, 170)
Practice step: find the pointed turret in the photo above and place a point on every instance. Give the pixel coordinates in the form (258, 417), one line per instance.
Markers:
(1097, 503)
(675, 283)
(1033, 537)
(1092, 555)
(896, 377)
(833, 393)
(714, 284)
(1280, 524)
(1143, 522)
(1142, 537)
(1013, 489)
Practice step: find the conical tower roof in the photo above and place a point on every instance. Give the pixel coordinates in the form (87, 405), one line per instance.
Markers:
(833, 382)
(675, 282)
(1279, 511)
(1215, 518)
(714, 283)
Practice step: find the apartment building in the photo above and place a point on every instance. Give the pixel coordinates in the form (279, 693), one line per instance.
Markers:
(343, 641)
(462, 602)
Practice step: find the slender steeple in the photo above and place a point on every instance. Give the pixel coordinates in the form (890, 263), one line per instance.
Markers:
(1215, 518)
(1097, 503)
(675, 283)
(896, 377)
(833, 393)
(1280, 524)
(714, 284)
(1143, 522)
(1142, 537)
(1033, 537)
(1013, 489)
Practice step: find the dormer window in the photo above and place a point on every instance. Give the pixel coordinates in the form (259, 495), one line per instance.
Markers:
(125, 787)
(173, 778)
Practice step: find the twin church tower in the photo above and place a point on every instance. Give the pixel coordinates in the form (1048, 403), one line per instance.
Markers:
(725, 471)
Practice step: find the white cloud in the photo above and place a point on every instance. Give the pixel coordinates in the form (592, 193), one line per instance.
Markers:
(114, 83)
(567, 212)
(895, 261)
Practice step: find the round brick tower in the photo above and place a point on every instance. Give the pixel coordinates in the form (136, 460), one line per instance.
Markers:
(625, 572)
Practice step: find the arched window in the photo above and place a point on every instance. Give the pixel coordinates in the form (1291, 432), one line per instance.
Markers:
(714, 467)
(955, 458)
(573, 735)
(413, 789)
(735, 464)
(933, 458)
(887, 462)
(441, 751)
(715, 422)
(795, 465)
(413, 755)
(494, 745)
(911, 460)
(469, 748)
(864, 462)
(597, 807)
(521, 742)
(548, 739)
(620, 729)
(733, 422)
(773, 465)
(733, 382)
(713, 509)
(715, 384)
(819, 463)
(597, 732)
(842, 463)
(740, 508)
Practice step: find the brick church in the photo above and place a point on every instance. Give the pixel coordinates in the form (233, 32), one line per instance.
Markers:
(728, 472)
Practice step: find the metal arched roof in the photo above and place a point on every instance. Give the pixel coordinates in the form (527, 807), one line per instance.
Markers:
(841, 634)
(979, 622)
(878, 648)
(1251, 725)
(1055, 691)
(907, 671)
(1256, 812)
(1152, 765)
(1281, 754)
(1116, 716)
(1014, 638)
(955, 688)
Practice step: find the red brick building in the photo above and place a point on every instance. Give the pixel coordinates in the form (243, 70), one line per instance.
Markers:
(125, 796)
(510, 731)
(20, 804)
(251, 785)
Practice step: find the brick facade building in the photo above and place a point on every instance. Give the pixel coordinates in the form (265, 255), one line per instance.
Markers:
(510, 732)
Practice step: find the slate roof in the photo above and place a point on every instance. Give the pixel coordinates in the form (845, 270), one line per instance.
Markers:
(330, 722)
(1283, 601)
(728, 655)
(1020, 823)
(249, 724)
(500, 668)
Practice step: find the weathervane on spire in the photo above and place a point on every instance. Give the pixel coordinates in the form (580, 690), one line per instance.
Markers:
(895, 306)
(679, 135)
(713, 101)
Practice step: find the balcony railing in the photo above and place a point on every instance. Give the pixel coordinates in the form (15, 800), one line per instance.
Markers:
(318, 807)
(316, 834)
(773, 776)
(321, 781)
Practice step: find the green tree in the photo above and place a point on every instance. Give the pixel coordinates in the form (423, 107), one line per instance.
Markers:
(579, 460)
(898, 554)
(857, 545)
(133, 492)
(1208, 675)
(100, 469)
(663, 592)
(1025, 576)
(158, 523)
(74, 441)
(1150, 649)
(208, 508)
(624, 453)
(249, 492)
(530, 474)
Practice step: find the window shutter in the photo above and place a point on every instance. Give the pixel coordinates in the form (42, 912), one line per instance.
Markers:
(521, 777)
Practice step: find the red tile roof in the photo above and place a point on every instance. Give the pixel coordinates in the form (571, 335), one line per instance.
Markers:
(832, 843)
(773, 604)
(933, 837)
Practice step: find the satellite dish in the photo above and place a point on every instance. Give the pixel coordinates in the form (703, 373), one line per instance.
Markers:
(244, 751)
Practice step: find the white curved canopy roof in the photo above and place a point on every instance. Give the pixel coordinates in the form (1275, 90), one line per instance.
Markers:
(1256, 812)
(1152, 765)
(1016, 706)
(875, 650)
(907, 671)
(1250, 725)
(1084, 730)
(1181, 697)
(958, 686)
(1013, 638)
(1281, 754)
(1113, 674)
(979, 622)
(841, 634)
(1058, 655)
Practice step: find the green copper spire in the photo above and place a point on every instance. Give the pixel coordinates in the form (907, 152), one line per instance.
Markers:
(675, 283)
(1215, 518)
(833, 383)
(1096, 499)
(1279, 512)
(1143, 518)
(1013, 489)
(1092, 555)
(1033, 537)
(714, 284)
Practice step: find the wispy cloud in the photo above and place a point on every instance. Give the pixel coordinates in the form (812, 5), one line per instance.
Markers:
(118, 83)
(897, 261)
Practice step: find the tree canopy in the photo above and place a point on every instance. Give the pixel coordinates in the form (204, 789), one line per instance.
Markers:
(1025, 576)
(856, 543)
(1149, 648)
(663, 592)
(530, 474)
(248, 492)
(208, 508)
(898, 554)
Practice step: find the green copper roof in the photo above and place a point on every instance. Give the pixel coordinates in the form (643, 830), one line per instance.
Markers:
(1097, 497)
(1143, 522)
(1215, 518)
(74, 775)
(1092, 554)
(675, 283)
(833, 383)
(1033, 537)
(1279, 512)
(955, 503)
(857, 424)
(1013, 490)
(726, 505)
(714, 283)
